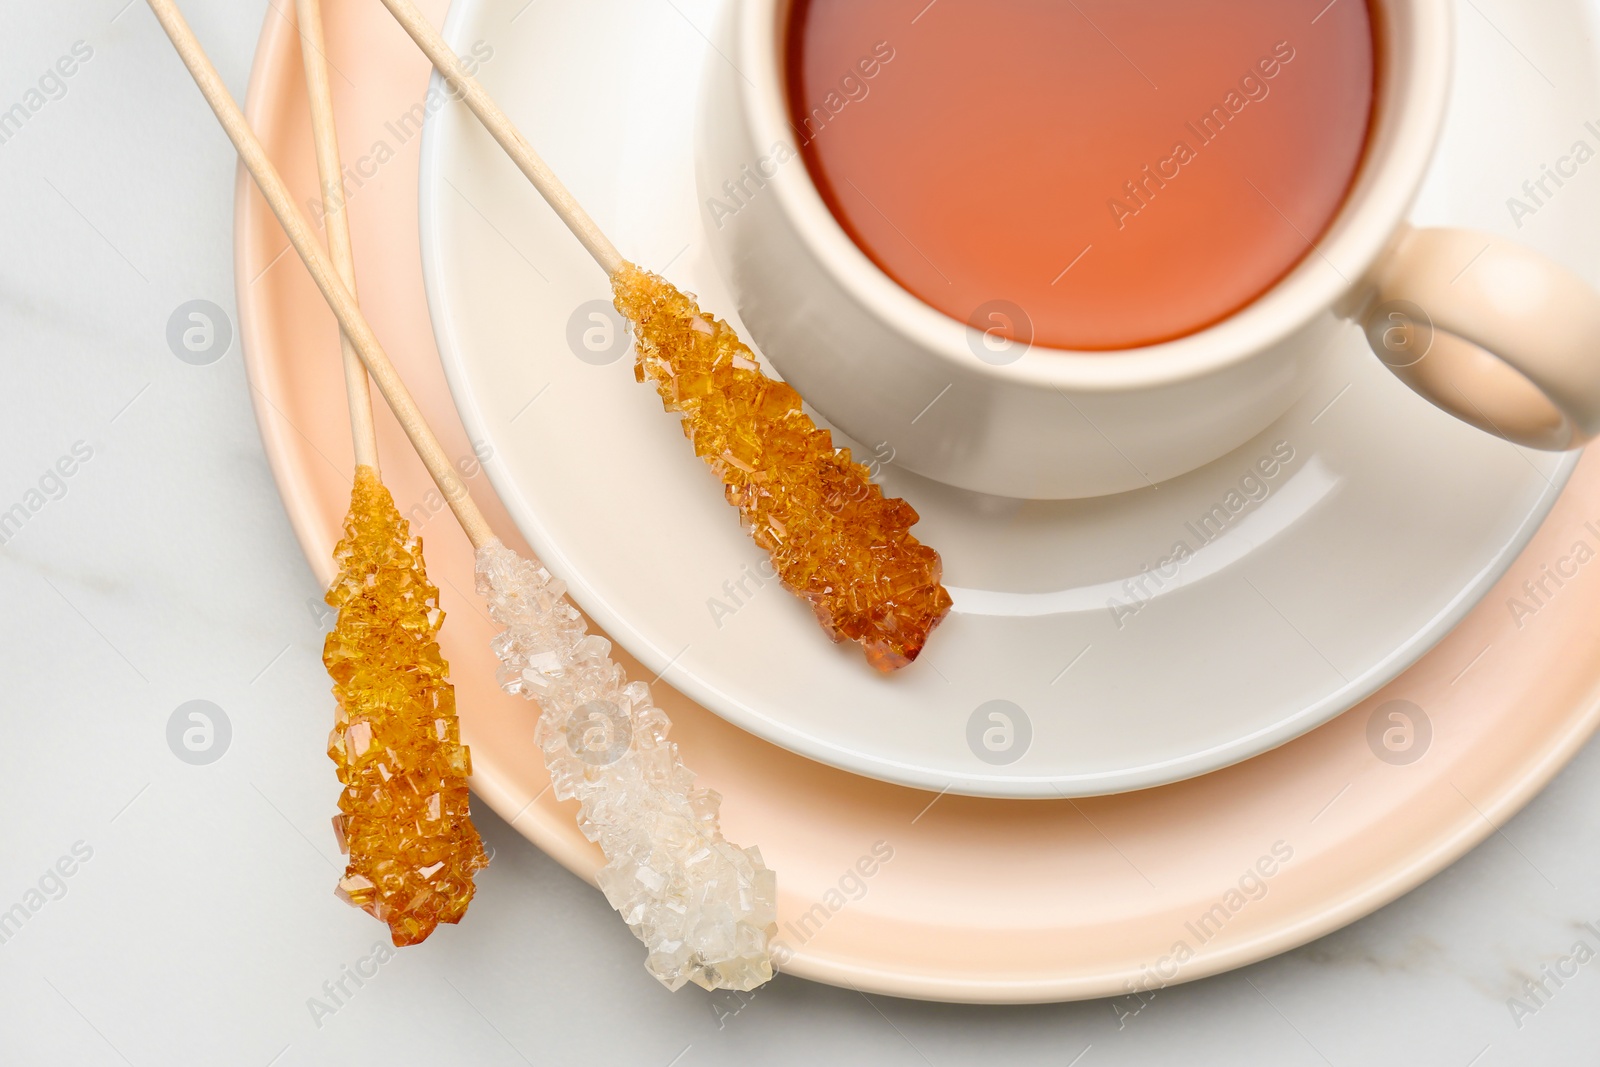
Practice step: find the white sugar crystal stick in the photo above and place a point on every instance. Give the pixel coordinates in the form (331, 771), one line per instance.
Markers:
(703, 907)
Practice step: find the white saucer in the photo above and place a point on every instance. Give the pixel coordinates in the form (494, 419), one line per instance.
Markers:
(1359, 529)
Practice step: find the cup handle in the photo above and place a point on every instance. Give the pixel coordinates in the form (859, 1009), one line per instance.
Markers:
(1492, 332)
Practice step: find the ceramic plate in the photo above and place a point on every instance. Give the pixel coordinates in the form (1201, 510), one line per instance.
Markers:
(983, 900)
(1122, 642)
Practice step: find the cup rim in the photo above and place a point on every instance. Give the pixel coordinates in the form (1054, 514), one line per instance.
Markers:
(1413, 90)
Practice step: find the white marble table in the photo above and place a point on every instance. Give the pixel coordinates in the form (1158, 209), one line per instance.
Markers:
(197, 924)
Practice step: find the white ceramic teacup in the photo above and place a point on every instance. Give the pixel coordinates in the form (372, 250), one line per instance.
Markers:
(1489, 331)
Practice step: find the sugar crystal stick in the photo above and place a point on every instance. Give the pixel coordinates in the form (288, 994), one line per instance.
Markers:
(834, 538)
(405, 810)
(704, 908)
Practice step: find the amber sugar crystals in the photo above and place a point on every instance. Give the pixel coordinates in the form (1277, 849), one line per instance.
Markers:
(404, 811)
(835, 539)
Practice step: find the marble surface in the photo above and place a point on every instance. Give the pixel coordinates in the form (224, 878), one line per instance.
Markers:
(197, 925)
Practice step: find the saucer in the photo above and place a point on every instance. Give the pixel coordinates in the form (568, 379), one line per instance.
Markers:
(1095, 646)
(984, 900)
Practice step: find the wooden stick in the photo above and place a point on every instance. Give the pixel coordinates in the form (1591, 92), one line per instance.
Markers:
(335, 220)
(344, 306)
(501, 128)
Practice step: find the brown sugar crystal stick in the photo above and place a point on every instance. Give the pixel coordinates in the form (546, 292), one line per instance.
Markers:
(405, 810)
(703, 906)
(835, 540)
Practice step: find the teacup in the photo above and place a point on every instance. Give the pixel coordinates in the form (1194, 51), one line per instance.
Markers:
(1491, 332)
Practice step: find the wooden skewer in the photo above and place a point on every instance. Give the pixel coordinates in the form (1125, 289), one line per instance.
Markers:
(339, 298)
(335, 220)
(501, 128)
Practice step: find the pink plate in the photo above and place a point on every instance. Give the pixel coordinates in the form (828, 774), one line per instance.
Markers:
(967, 899)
